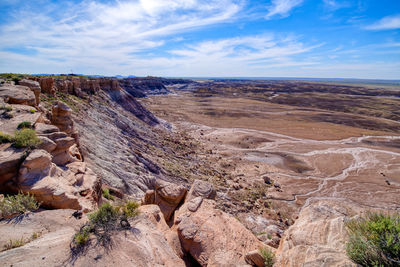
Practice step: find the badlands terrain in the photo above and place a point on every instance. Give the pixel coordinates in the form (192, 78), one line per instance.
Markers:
(222, 168)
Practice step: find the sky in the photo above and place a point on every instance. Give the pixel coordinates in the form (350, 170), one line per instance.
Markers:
(194, 38)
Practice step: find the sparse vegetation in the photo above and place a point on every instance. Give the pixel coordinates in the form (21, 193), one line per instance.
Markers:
(17, 204)
(268, 256)
(5, 138)
(104, 221)
(7, 108)
(374, 240)
(32, 110)
(14, 243)
(107, 195)
(35, 235)
(12, 77)
(81, 237)
(24, 124)
(26, 138)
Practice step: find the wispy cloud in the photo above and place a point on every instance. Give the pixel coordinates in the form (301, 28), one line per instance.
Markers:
(247, 55)
(112, 31)
(333, 5)
(282, 8)
(386, 23)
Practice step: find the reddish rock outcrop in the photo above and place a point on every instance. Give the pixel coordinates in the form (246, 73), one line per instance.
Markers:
(10, 160)
(34, 86)
(61, 117)
(318, 237)
(77, 187)
(210, 236)
(166, 195)
(47, 85)
(17, 94)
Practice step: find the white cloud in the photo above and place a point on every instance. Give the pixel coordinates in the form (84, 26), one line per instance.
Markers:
(112, 31)
(282, 8)
(386, 23)
(241, 56)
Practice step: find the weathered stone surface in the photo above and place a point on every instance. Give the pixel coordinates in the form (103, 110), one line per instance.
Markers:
(167, 196)
(42, 128)
(61, 117)
(212, 237)
(47, 85)
(148, 198)
(17, 94)
(34, 86)
(317, 238)
(75, 187)
(202, 189)
(194, 204)
(10, 160)
(142, 246)
(19, 113)
(254, 258)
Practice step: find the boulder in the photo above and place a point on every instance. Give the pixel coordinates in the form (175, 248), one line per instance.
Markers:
(17, 94)
(212, 237)
(202, 189)
(47, 85)
(167, 196)
(34, 86)
(61, 117)
(318, 237)
(42, 128)
(47, 144)
(75, 187)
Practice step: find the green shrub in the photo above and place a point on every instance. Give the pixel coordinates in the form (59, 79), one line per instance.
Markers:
(130, 209)
(107, 195)
(268, 256)
(17, 204)
(374, 240)
(32, 110)
(26, 138)
(105, 215)
(81, 237)
(104, 221)
(24, 124)
(5, 138)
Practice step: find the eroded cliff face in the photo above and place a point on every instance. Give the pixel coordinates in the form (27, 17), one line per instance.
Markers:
(121, 141)
(50, 167)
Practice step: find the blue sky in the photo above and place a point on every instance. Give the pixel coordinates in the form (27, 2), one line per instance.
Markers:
(214, 38)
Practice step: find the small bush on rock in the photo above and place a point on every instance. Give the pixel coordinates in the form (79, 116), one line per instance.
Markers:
(24, 124)
(5, 138)
(130, 209)
(374, 240)
(104, 221)
(107, 195)
(17, 204)
(268, 256)
(14, 244)
(26, 138)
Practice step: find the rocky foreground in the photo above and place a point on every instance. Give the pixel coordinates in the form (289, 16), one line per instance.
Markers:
(93, 131)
